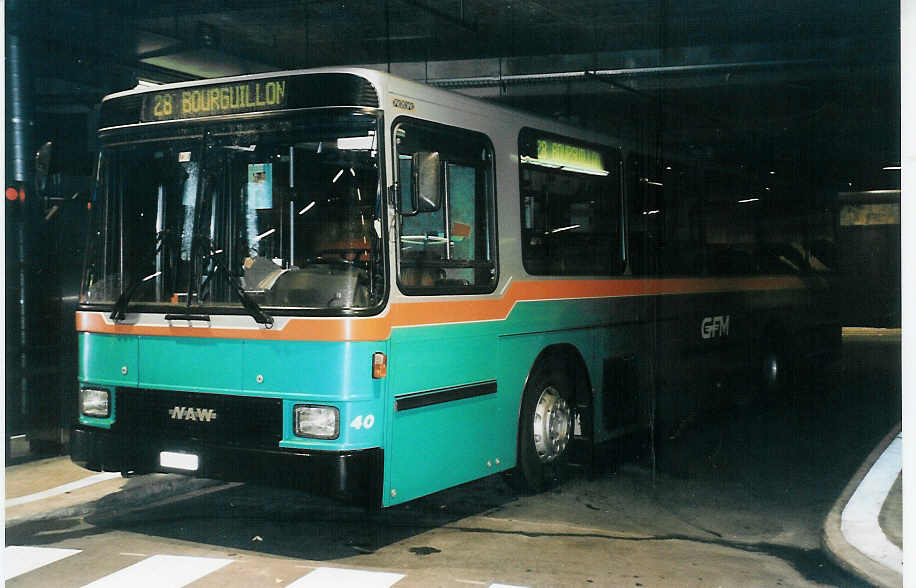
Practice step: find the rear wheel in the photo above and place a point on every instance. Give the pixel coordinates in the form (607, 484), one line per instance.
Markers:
(545, 430)
(781, 371)
(774, 371)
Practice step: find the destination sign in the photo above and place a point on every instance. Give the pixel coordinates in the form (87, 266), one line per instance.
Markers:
(554, 152)
(234, 98)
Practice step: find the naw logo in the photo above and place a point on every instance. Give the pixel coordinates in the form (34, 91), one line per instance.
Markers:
(713, 327)
(188, 413)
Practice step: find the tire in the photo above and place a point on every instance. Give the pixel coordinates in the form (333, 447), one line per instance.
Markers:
(545, 430)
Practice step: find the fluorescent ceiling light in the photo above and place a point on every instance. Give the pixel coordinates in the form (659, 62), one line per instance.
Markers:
(563, 167)
(366, 143)
(264, 234)
(561, 229)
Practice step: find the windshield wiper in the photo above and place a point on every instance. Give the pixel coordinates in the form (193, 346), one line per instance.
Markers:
(253, 308)
(119, 312)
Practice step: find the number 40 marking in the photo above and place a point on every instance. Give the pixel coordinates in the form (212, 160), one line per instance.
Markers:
(362, 422)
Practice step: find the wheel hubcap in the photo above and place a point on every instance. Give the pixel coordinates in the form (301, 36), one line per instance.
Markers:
(552, 425)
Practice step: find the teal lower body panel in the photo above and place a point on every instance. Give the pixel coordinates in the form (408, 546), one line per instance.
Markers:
(448, 411)
(460, 436)
(232, 403)
(461, 429)
(442, 445)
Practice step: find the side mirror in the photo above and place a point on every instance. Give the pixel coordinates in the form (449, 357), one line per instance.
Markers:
(426, 187)
(43, 162)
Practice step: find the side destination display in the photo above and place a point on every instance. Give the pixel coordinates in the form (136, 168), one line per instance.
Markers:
(234, 98)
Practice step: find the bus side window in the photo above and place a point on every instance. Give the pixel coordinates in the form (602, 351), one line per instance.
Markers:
(645, 199)
(451, 249)
(570, 206)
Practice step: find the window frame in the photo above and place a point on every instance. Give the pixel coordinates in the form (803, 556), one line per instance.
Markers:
(490, 204)
(615, 166)
(197, 129)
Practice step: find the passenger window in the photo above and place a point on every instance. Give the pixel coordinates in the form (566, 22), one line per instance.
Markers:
(570, 204)
(665, 221)
(451, 249)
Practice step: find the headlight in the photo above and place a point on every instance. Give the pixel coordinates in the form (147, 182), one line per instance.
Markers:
(317, 422)
(94, 402)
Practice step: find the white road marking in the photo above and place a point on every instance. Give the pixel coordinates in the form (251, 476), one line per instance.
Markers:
(62, 489)
(162, 571)
(339, 578)
(179, 570)
(19, 560)
(859, 522)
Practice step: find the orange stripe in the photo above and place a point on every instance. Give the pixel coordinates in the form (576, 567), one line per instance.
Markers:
(406, 314)
(330, 329)
(468, 310)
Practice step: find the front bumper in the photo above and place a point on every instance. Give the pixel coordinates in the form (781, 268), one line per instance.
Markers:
(350, 475)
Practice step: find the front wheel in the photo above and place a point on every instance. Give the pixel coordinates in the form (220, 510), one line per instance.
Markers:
(545, 430)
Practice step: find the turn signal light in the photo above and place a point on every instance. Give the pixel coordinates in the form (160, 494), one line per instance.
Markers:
(379, 365)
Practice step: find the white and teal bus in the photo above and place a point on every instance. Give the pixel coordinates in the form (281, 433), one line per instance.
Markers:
(371, 288)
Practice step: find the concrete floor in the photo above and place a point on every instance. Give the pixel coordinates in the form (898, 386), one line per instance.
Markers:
(738, 500)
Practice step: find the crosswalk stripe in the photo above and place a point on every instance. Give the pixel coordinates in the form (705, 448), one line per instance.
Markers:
(162, 571)
(18, 560)
(341, 578)
(88, 481)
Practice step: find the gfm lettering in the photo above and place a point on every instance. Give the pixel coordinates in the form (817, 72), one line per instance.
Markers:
(713, 327)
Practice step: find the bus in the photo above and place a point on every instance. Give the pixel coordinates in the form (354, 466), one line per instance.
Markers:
(374, 289)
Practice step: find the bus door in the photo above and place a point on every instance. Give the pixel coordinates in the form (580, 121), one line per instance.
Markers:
(449, 424)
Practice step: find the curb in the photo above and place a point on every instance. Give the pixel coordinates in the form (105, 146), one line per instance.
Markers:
(835, 545)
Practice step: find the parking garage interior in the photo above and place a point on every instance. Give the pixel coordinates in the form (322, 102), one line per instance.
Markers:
(804, 98)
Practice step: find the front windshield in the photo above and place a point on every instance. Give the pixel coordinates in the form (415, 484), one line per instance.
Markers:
(285, 213)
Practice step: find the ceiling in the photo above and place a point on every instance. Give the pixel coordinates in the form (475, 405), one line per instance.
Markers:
(810, 89)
